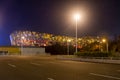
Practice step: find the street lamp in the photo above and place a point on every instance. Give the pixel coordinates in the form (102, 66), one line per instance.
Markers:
(22, 38)
(68, 41)
(105, 41)
(76, 16)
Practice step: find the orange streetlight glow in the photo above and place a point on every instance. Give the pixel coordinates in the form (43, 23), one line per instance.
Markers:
(105, 41)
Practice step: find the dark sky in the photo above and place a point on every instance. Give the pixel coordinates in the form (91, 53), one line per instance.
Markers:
(56, 17)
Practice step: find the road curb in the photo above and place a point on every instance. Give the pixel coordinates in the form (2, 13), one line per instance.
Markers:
(91, 60)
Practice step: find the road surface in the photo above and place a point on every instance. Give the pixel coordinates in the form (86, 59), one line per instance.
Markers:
(50, 68)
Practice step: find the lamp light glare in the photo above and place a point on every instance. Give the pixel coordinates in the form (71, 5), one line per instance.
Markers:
(77, 16)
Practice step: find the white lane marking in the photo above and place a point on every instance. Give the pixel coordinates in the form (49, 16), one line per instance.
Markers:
(35, 64)
(51, 79)
(12, 65)
(106, 76)
(54, 63)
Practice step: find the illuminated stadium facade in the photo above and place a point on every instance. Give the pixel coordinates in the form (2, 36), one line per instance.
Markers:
(28, 38)
(31, 38)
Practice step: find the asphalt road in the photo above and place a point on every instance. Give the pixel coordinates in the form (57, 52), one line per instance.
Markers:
(49, 68)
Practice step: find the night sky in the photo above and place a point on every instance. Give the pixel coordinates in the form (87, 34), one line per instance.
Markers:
(56, 17)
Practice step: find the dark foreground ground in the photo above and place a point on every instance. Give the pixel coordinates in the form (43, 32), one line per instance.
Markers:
(50, 68)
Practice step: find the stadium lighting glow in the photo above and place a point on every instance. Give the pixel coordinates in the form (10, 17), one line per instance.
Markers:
(69, 40)
(23, 37)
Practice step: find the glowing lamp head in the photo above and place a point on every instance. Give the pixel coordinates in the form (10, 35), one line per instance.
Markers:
(104, 40)
(77, 16)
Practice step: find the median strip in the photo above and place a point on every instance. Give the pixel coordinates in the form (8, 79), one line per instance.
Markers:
(12, 65)
(106, 76)
(35, 64)
(54, 63)
(50, 79)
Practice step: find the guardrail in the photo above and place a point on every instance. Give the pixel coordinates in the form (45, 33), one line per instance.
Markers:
(106, 58)
(115, 60)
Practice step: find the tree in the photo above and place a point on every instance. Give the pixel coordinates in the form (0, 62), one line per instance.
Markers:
(59, 49)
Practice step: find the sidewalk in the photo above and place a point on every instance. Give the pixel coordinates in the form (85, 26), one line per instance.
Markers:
(88, 60)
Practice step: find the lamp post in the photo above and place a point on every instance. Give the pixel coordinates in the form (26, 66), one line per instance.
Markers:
(105, 41)
(68, 41)
(22, 37)
(76, 19)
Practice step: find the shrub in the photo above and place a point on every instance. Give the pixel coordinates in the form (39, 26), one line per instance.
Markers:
(58, 49)
(94, 54)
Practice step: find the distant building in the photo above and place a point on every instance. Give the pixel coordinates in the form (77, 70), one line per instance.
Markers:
(29, 38)
(37, 39)
(32, 38)
(13, 50)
